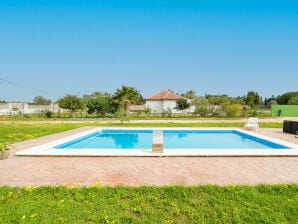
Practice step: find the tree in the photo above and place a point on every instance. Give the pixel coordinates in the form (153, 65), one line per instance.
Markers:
(218, 99)
(238, 100)
(87, 97)
(190, 94)
(285, 98)
(99, 94)
(182, 104)
(125, 96)
(233, 110)
(293, 100)
(40, 100)
(201, 105)
(72, 103)
(101, 105)
(253, 99)
(268, 102)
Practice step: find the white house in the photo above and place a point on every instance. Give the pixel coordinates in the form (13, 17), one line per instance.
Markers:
(164, 101)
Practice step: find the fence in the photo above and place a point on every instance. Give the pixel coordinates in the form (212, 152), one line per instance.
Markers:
(284, 110)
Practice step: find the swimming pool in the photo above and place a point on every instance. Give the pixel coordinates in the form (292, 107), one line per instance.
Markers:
(172, 139)
(176, 142)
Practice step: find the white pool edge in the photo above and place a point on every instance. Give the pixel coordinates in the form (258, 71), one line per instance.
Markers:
(49, 150)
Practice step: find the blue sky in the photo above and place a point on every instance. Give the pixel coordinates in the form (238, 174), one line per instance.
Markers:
(59, 47)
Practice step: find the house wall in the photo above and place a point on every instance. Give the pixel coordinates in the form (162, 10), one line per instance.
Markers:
(159, 106)
(155, 105)
(171, 104)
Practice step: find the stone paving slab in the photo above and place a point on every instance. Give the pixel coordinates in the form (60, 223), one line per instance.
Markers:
(138, 171)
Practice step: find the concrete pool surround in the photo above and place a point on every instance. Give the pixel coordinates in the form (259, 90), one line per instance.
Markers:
(48, 149)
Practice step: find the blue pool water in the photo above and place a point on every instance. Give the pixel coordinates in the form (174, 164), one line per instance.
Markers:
(172, 139)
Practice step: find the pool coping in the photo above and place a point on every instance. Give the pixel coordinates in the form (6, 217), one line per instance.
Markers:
(48, 150)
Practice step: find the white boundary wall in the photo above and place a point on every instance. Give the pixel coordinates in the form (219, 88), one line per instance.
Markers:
(25, 108)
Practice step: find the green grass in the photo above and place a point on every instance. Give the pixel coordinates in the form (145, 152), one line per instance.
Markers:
(12, 133)
(20, 131)
(175, 204)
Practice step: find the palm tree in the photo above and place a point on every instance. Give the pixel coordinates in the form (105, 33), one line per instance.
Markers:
(125, 96)
(190, 94)
(96, 94)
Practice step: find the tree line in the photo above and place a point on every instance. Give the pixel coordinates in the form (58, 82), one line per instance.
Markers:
(119, 102)
(103, 103)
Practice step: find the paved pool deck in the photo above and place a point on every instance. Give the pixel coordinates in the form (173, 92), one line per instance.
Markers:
(138, 171)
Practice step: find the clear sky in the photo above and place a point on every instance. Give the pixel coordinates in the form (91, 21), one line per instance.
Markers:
(60, 47)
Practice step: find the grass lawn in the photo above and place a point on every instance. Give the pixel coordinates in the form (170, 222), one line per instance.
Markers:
(175, 204)
(19, 131)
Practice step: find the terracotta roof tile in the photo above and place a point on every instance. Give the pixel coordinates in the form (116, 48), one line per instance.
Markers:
(164, 95)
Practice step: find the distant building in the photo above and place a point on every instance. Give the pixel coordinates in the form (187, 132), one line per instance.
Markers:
(165, 101)
(25, 108)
